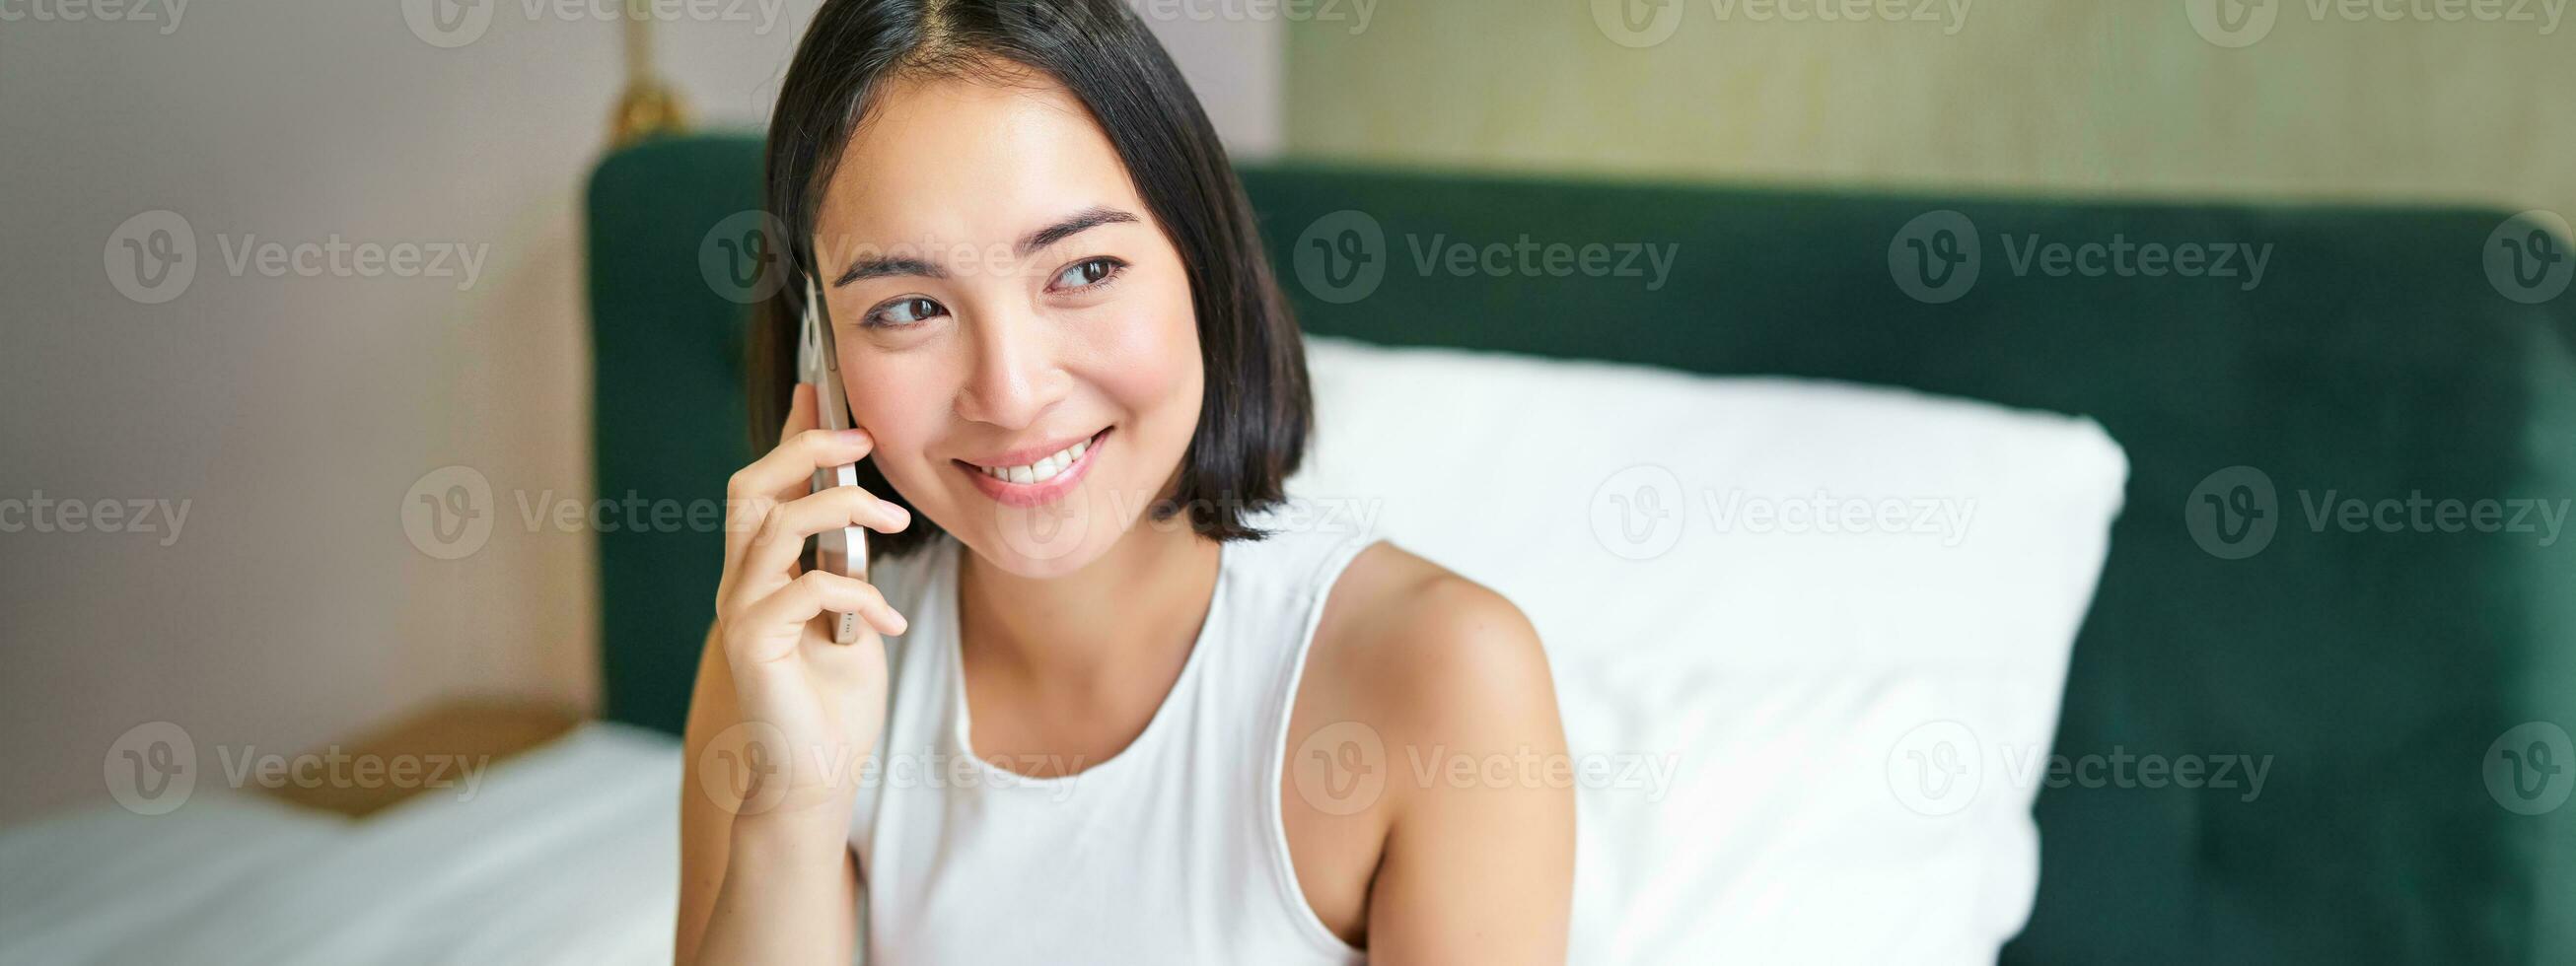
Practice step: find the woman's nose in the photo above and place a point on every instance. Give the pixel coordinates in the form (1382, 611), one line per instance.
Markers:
(1013, 377)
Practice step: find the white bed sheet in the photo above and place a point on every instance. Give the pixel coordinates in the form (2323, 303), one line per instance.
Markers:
(565, 854)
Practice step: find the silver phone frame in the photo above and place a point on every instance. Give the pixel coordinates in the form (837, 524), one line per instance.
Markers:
(841, 550)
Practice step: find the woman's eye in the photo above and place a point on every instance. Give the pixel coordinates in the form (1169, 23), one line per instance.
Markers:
(1086, 273)
(904, 311)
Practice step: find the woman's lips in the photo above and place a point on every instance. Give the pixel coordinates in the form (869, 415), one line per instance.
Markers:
(1012, 494)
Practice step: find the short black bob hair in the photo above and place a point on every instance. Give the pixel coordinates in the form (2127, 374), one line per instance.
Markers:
(1256, 411)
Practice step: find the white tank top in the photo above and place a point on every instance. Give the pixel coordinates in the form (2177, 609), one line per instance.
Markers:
(1171, 851)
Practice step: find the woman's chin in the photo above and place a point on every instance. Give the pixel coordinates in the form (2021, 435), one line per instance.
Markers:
(1048, 541)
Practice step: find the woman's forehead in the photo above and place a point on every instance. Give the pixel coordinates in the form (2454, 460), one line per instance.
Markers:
(970, 159)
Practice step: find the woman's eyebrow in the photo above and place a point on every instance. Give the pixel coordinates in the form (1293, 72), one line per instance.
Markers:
(867, 267)
(881, 266)
(1077, 223)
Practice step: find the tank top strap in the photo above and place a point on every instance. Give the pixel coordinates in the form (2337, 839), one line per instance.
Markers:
(1274, 590)
(1296, 571)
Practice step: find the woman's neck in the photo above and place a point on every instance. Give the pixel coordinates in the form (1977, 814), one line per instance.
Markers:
(1134, 607)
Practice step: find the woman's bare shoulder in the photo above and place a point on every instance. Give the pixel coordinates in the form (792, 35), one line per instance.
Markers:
(1428, 699)
(1423, 654)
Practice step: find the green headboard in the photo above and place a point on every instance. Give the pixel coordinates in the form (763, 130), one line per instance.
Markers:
(2375, 359)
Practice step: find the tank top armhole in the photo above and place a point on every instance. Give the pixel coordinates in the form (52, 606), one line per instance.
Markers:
(1319, 587)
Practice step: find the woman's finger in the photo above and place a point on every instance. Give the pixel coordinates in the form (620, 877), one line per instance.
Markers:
(809, 595)
(786, 472)
(781, 537)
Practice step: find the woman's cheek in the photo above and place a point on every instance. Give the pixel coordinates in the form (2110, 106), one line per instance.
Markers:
(901, 431)
(1160, 387)
(1142, 374)
(1150, 348)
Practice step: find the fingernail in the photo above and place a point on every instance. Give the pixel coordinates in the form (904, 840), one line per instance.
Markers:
(854, 435)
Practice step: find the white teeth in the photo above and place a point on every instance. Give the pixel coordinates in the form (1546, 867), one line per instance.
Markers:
(1042, 470)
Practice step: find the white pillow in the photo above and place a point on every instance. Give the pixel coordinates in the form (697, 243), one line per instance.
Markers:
(1793, 674)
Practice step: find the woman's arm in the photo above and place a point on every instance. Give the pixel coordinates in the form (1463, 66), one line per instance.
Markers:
(1478, 864)
(710, 835)
(782, 716)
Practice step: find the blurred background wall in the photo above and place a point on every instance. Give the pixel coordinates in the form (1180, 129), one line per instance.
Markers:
(2137, 97)
(291, 416)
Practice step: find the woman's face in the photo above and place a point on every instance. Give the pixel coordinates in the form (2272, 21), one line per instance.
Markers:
(1013, 327)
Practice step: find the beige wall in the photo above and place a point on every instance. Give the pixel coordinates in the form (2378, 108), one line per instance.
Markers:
(2086, 96)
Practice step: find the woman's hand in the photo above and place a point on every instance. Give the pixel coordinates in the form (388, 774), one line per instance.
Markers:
(808, 710)
(781, 718)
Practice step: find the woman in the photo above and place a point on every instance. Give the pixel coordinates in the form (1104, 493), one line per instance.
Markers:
(1104, 713)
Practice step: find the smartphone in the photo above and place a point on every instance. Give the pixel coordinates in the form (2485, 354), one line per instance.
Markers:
(843, 550)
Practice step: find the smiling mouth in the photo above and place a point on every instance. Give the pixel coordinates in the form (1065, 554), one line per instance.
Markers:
(1045, 468)
(1040, 480)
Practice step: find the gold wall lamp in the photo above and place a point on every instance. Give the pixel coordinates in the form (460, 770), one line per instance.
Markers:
(649, 107)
